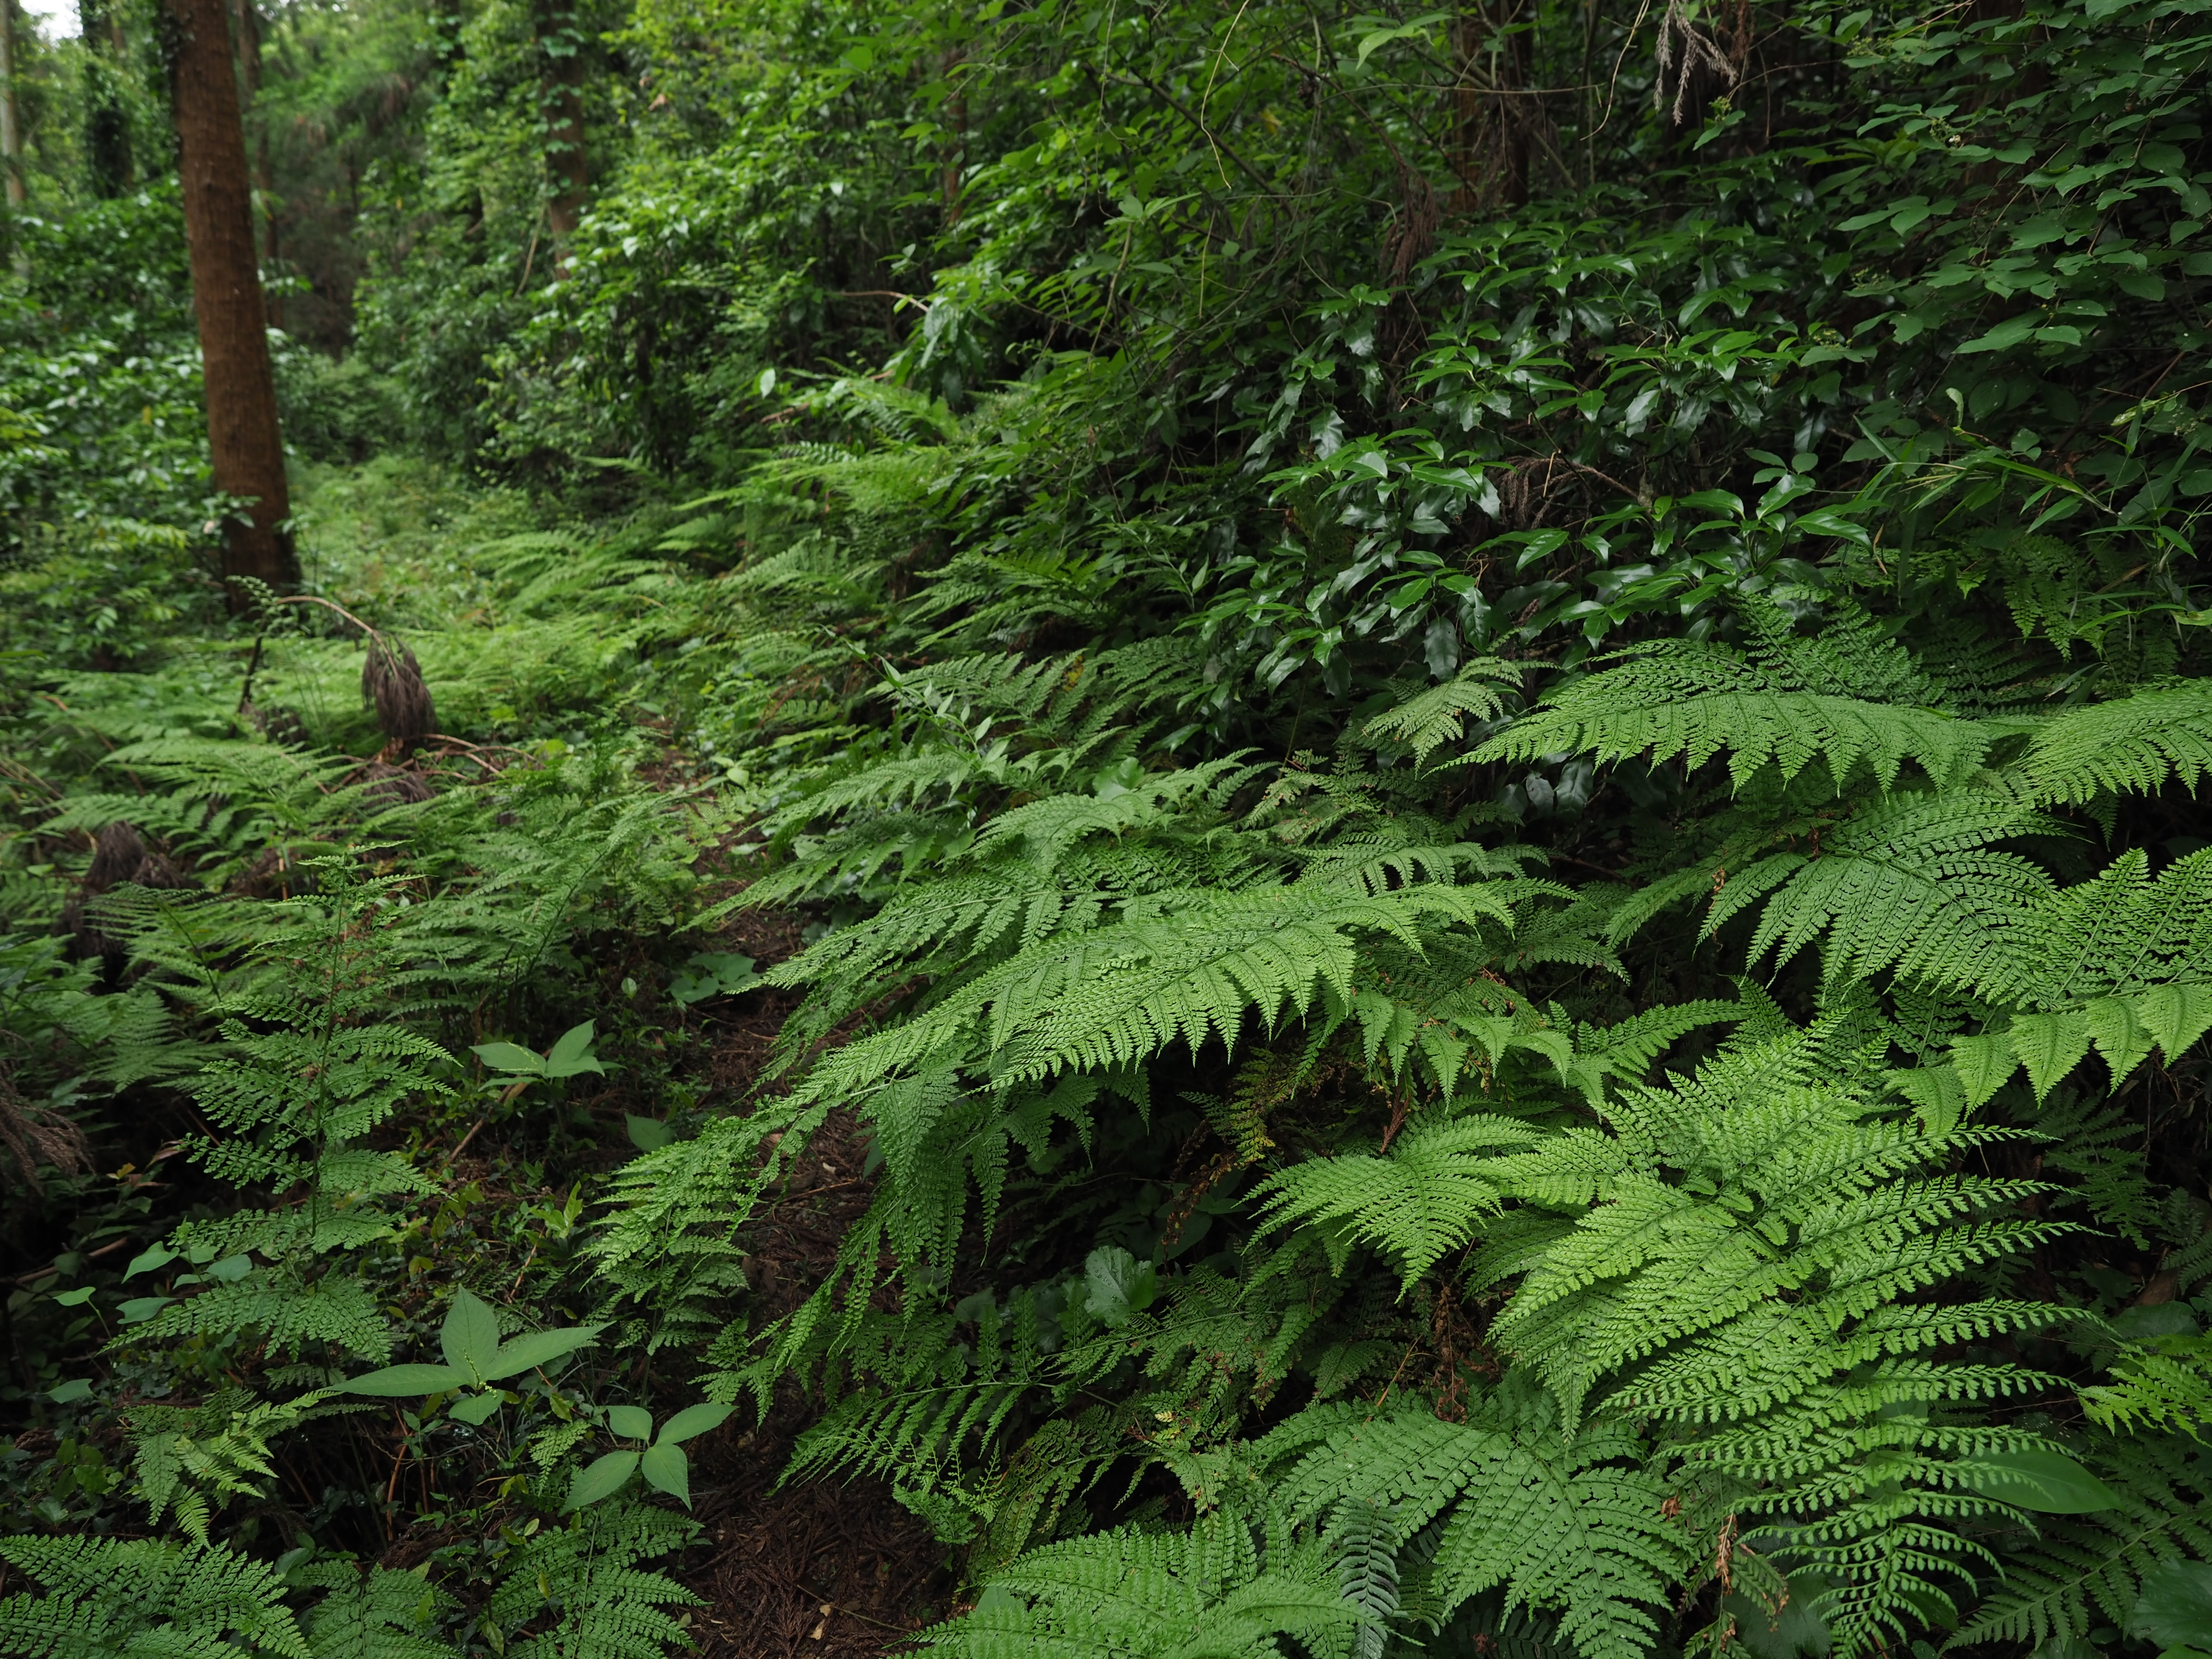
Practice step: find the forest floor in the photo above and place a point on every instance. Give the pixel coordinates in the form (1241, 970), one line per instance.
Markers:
(838, 1570)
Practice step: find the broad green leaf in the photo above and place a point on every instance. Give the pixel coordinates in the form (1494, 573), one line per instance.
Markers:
(470, 1336)
(648, 1134)
(2049, 1046)
(1984, 1063)
(153, 1255)
(76, 1389)
(1119, 1287)
(396, 1380)
(630, 1422)
(2048, 1483)
(572, 1054)
(2176, 1015)
(664, 1467)
(2175, 1607)
(476, 1407)
(539, 1348)
(601, 1479)
(694, 1420)
(510, 1057)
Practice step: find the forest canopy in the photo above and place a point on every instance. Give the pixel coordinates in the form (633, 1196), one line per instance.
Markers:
(1091, 828)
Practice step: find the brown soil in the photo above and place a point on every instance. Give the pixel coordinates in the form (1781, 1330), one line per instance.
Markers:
(817, 1569)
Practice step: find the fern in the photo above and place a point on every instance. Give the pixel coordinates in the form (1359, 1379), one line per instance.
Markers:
(585, 1577)
(1219, 1590)
(1558, 1519)
(107, 1596)
(378, 1615)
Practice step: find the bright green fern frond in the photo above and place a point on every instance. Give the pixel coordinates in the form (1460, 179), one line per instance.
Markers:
(112, 1596)
(2128, 745)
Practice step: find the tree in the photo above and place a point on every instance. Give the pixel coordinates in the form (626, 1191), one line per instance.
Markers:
(107, 156)
(11, 127)
(243, 439)
(560, 44)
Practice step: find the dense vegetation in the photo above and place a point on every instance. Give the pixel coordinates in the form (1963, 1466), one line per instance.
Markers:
(1435, 772)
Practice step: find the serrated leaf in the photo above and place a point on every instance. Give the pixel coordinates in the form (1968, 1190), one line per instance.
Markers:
(470, 1337)
(539, 1348)
(2176, 1015)
(572, 1054)
(394, 1381)
(601, 1479)
(666, 1469)
(2120, 1037)
(510, 1057)
(630, 1422)
(2175, 1607)
(2049, 1046)
(1985, 1065)
(692, 1421)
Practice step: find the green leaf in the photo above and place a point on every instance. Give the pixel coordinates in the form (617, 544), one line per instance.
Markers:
(153, 1255)
(2048, 1483)
(2175, 1607)
(77, 1298)
(665, 1468)
(510, 1057)
(394, 1381)
(630, 1422)
(138, 1310)
(76, 1389)
(2005, 335)
(1984, 1064)
(1119, 1287)
(476, 1407)
(2049, 1046)
(694, 1420)
(2119, 1036)
(572, 1054)
(470, 1336)
(603, 1478)
(539, 1348)
(648, 1134)
(2176, 1015)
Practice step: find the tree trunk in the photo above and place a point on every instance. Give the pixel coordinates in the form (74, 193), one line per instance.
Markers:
(1493, 109)
(561, 98)
(264, 190)
(12, 120)
(108, 160)
(241, 392)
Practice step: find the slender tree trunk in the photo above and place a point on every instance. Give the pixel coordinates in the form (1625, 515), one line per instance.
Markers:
(248, 36)
(12, 120)
(561, 96)
(241, 392)
(1494, 112)
(107, 154)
